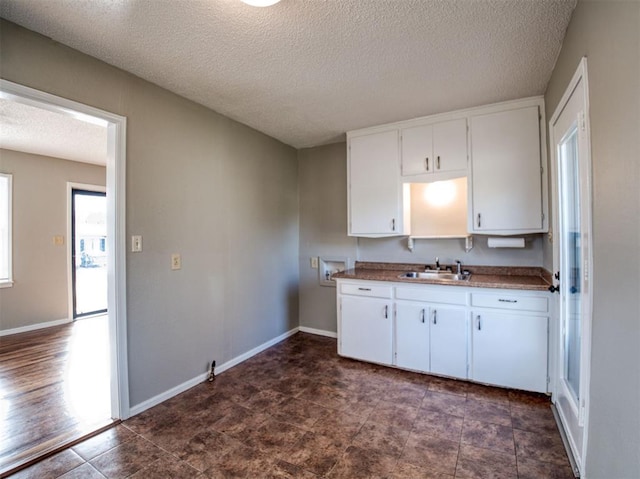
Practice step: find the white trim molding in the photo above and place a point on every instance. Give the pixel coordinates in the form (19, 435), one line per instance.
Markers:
(7, 281)
(33, 327)
(180, 388)
(116, 239)
(318, 332)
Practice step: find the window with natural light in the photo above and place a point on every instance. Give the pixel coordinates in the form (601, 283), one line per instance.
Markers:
(5, 230)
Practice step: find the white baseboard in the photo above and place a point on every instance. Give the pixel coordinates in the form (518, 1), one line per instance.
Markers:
(180, 388)
(155, 400)
(318, 332)
(254, 351)
(33, 327)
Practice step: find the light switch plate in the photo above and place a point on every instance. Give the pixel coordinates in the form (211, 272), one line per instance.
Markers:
(136, 244)
(314, 262)
(176, 261)
(58, 240)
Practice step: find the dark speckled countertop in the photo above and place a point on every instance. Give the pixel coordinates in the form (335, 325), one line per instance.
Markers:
(503, 277)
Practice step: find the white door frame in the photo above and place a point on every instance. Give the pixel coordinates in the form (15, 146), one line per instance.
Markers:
(70, 187)
(585, 353)
(116, 240)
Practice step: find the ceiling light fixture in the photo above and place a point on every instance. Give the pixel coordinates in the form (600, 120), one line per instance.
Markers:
(260, 3)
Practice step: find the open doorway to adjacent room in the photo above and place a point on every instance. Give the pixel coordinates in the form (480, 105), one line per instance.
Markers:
(61, 379)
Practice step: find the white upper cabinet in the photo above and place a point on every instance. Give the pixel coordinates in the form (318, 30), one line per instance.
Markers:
(376, 206)
(435, 148)
(508, 178)
(501, 148)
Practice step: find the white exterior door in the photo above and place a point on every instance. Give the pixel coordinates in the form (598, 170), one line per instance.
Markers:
(572, 259)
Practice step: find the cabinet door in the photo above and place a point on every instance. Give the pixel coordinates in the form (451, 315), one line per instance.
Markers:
(417, 150)
(366, 329)
(412, 336)
(510, 350)
(506, 172)
(448, 339)
(450, 145)
(374, 187)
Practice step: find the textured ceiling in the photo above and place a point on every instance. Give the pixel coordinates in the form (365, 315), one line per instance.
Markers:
(307, 71)
(42, 132)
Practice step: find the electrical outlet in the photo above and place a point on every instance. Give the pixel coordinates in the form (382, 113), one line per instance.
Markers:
(136, 244)
(176, 261)
(58, 240)
(314, 262)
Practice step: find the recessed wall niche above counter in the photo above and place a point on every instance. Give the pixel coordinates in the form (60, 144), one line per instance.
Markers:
(499, 150)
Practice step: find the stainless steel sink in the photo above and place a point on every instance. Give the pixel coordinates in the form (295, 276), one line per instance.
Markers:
(447, 275)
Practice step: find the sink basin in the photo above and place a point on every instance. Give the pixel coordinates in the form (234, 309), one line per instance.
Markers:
(448, 275)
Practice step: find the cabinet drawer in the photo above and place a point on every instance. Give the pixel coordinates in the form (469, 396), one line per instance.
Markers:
(432, 295)
(373, 290)
(510, 301)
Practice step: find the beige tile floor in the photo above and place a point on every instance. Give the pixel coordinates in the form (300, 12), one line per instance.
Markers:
(298, 410)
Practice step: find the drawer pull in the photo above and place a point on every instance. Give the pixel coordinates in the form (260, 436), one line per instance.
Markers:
(364, 289)
(426, 161)
(386, 312)
(508, 300)
(435, 316)
(479, 323)
(423, 315)
(438, 163)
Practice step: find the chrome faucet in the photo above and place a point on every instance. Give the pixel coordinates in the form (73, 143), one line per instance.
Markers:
(458, 267)
(437, 264)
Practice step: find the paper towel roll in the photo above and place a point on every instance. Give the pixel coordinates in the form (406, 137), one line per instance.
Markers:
(505, 242)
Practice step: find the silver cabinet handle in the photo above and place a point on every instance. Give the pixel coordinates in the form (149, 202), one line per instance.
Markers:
(479, 220)
(479, 323)
(364, 289)
(507, 300)
(423, 315)
(438, 163)
(426, 163)
(386, 312)
(393, 224)
(435, 316)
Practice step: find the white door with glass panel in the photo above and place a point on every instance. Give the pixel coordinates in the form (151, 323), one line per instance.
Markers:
(572, 260)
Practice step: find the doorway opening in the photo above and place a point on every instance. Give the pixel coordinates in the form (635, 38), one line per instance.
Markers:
(88, 252)
(112, 321)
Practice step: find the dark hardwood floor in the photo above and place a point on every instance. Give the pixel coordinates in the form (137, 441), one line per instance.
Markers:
(54, 388)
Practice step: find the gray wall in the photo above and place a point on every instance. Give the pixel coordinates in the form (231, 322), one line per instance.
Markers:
(222, 195)
(323, 232)
(608, 33)
(322, 177)
(40, 293)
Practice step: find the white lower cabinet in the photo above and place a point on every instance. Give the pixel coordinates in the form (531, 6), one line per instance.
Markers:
(428, 329)
(431, 338)
(366, 330)
(412, 336)
(510, 350)
(449, 342)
